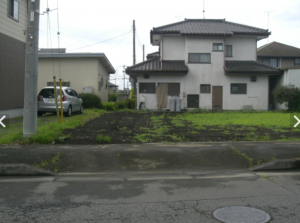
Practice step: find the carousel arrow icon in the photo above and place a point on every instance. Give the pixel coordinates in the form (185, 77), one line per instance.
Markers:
(297, 122)
(1, 121)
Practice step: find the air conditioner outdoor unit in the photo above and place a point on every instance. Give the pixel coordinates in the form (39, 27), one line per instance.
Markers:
(88, 89)
(142, 98)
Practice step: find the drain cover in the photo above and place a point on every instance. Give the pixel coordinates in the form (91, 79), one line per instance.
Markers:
(239, 214)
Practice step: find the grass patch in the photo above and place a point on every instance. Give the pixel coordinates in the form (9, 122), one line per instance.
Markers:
(103, 139)
(46, 164)
(48, 129)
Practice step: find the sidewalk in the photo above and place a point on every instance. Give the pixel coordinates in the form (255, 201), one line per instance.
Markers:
(115, 158)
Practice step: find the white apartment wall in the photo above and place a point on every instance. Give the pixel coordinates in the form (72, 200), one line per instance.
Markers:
(11, 27)
(243, 48)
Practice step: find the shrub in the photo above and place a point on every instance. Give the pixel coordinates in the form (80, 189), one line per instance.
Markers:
(289, 95)
(129, 103)
(103, 139)
(112, 97)
(91, 100)
(120, 104)
(110, 106)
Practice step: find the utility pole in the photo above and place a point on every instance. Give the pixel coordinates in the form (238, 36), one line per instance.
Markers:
(203, 9)
(133, 42)
(31, 69)
(268, 20)
(143, 52)
(124, 76)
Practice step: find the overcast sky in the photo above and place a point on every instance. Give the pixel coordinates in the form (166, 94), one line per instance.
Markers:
(84, 23)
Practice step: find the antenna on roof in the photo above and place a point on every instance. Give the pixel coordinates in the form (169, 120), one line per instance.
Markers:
(203, 9)
(268, 20)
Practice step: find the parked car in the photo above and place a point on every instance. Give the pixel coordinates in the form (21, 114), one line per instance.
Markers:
(71, 101)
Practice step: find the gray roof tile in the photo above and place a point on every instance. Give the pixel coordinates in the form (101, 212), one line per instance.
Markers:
(250, 67)
(208, 27)
(154, 65)
(278, 50)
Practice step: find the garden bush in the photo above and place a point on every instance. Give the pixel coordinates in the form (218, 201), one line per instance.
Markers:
(110, 106)
(91, 100)
(112, 97)
(129, 103)
(289, 95)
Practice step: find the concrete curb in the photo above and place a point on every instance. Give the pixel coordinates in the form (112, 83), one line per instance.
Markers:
(280, 164)
(23, 170)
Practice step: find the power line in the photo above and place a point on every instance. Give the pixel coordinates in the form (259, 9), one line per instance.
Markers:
(58, 34)
(100, 42)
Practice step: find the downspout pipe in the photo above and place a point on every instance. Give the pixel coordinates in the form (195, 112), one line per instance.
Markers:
(162, 49)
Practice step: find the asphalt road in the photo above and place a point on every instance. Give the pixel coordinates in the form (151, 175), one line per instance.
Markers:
(151, 197)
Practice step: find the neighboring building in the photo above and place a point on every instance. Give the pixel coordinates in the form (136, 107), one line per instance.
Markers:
(112, 88)
(278, 55)
(208, 64)
(13, 23)
(84, 72)
(287, 58)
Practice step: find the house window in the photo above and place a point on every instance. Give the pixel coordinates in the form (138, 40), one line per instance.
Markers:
(13, 9)
(147, 88)
(199, 57)
(218, 47)
(174, 89)
(253, 78)
(146, 76)
(238, 88)
(205, 88)
(270, 61)
(297, 61)
(228, 50)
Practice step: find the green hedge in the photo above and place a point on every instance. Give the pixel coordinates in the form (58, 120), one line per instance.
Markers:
(91, 100)
(289, 95)
(125, 104)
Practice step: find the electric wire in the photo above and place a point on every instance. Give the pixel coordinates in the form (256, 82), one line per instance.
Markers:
(49, 29)
(100, 42)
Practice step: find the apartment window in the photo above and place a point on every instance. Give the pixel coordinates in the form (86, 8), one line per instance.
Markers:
(147, 88)
(218, 47)
(238, 88)
(205, 88)
(13, 9)
(297, 61)
(228, 51)
(199, 57)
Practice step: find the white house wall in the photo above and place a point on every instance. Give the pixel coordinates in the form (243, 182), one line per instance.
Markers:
(243, 48)
(173, 48)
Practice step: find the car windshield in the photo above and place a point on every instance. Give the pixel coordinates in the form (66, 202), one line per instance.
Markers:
(48, 92)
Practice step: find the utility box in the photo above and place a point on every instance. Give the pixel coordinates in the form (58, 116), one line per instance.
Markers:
(88, 89)
(142, 98)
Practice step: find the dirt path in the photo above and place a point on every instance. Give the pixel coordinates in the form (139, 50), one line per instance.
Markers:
(139, 127)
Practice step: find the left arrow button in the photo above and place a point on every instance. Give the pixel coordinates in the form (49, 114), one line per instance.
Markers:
(1, 119)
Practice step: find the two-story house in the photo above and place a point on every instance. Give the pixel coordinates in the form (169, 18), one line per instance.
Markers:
(208, 64)
(278, 55)
(13, 23)
(285, 57)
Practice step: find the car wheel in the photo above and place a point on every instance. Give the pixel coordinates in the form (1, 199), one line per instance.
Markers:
(39, 113)
(81, 109)
(69, 111)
